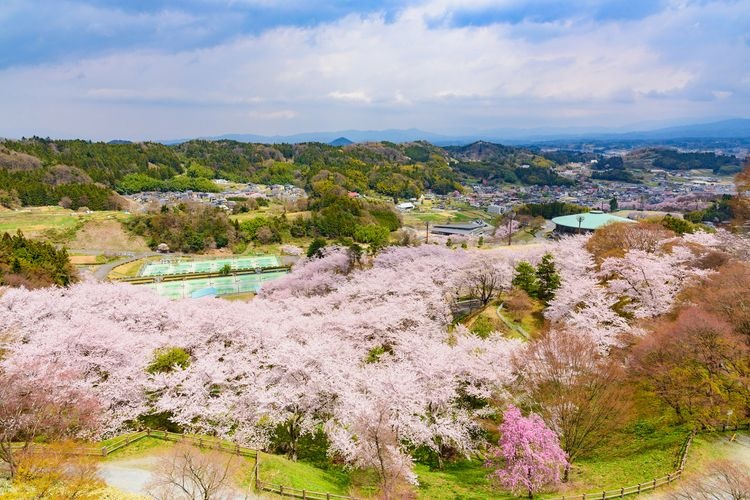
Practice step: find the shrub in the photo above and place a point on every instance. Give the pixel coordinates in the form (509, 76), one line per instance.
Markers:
(167, 358)
(316, 248)
(375, 236)
(482, 327)
(518, 304)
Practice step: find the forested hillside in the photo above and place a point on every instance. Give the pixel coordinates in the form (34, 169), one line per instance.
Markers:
(78, 173)
(496, 163)
(671, 159)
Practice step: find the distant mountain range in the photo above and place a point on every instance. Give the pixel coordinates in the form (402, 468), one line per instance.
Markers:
(738, 128)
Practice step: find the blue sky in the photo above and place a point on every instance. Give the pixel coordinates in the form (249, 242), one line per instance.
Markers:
(151, 69)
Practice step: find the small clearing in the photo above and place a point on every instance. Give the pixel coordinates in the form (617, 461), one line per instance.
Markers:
(107, 235)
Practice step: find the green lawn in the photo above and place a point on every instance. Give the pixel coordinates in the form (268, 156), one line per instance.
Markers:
(146, 445)
(628, 460)
(464, 480)
(277, 469)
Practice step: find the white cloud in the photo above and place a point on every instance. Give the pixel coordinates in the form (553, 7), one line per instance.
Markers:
(284, 114)
(355, 96)
(406, 72)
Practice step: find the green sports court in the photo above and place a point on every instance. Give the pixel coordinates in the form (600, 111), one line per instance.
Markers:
(223, 285)
(177, 267)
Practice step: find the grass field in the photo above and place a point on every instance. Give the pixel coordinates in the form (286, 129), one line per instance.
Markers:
(465, 479)
(52, 223)
(628, 460)
(280, 470)
(418, 217)
(269, 211)
(130, 269)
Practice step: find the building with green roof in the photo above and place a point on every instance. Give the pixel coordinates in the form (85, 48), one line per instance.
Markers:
(587, 221)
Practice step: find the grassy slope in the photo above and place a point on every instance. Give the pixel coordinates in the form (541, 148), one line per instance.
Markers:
(108, 235)
(280, 470)
(466, 479)
(35, 221)
(628, 460)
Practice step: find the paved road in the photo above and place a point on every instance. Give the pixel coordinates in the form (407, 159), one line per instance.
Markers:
(103, 271)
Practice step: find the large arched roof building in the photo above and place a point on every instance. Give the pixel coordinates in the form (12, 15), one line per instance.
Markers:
(587, 221)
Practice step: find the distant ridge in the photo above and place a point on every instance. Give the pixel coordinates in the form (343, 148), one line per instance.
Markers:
(340, 141)
(737, 128)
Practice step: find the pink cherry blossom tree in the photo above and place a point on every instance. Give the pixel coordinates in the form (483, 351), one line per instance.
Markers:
(529, 454)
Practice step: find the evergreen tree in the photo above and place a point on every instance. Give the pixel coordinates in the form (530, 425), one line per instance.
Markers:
(548, 280)
(316, 248)
(613, 204)
(526, 278)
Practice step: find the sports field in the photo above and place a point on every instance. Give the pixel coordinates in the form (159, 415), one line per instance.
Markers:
(166, 267)
(224, 285)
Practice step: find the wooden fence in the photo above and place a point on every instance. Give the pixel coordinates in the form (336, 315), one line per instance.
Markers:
(659, 481)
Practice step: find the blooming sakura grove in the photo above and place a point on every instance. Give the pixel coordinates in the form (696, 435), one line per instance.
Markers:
(366, 355)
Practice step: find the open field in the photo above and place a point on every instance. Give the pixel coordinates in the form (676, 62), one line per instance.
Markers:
(420, 215)
(107, 235)
(130, 269)
(269, 211)
(60, 225)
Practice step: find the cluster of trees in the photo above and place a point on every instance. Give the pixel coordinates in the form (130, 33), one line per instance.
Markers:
(189, 228)
(34, 189)
(720, 210)
(671, 159)
(136, 183)
(551, 209)
(612, 168)
(33, 264)
(539, 282)
(195, 228)
(615, 175)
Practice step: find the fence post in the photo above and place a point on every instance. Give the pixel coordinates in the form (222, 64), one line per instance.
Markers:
(148, 431)
(304, 495)
(328, 496)
(639, 488)
(604, 495)
(104, 451)
(257, 466)
(654, 484)
(281, 490)
(622, 492)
